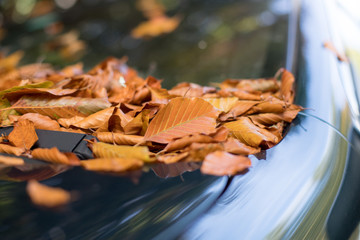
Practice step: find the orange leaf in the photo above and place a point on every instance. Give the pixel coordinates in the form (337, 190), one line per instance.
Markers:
(239, 108)
(41, 121)
(11, 161)
(236, 147)
(112, 164)
(23, 135)
(244, 130)
(172, 157)
(95, 120)
(175, 169)
(187, 141)
(272, 118)
(67, 122)
(155, 27)
(45, 196)
(223, 104)
(181, 117)
(286, 88)
(119, 138)
(198, 151)
(221, 163)
(4, 148)
(53, 155)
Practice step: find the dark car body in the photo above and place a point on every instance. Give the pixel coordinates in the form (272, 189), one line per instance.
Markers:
(306, 187)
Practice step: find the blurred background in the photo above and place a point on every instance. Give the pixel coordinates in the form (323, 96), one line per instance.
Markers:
(187, 40)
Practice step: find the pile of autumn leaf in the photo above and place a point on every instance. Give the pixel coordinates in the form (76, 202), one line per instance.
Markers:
(136, 121)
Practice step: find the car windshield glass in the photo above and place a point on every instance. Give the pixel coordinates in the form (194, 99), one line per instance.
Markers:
(214, 40)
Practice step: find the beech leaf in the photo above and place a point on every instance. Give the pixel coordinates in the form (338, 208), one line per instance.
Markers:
(11, 161)
(53, 155)
(119, 138)
(181, 117)
(45, 196)
(23, 135)
(114, 164)
(221, 163)
(41, 121)
(244, 130)
(223, 104)
(104, 150)
(17, 151)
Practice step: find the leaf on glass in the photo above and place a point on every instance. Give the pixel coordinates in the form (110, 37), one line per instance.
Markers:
(172, 157)
(44, 196)
(64, 107)
(11, 161)
(23, 135)
(223, 104)
(272, 118)
(41, 121)
(183, 142)
(95, 120)
(221, 163)
(114, 164)
(181, 117)
(234, 146)
(287, 85)
(119, 138)
(248, 133)
(53, 155)
(198, 151)
(17, 151)
(67, 122)
(104, 150)
(46, 92)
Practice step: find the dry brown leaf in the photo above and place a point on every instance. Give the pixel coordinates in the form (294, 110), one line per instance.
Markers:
(17, 151)
(95, 120)
(11, 161)
(223, 104)
(104, 150)
(119, 138)
(67, 122)
(53, 155)
(155, 27)
(181, 117)
(23, 135)
(198, 151)
(114, 164)
(244, 130)
(221, 163)
(236, 147)
(183, 142)
(172, 157)
(287, 86)
(273, 118)
(41, 121)
(45, 196)
(174, 169)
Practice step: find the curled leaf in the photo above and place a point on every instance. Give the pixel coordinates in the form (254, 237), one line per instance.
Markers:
(223, 104)
(104, 150)
(244, 130)
(11, 161)
(53, 155)
(17, 151)
(236, 147)
(114, 164)
(45, 196)
(221, 163)
(119, 138)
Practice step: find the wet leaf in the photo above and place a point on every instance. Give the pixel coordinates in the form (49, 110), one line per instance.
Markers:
(53, 155)
(181, 117)
(114, 164)
(23, 135)
(104, 150)
(221, 163)
(45, 196)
